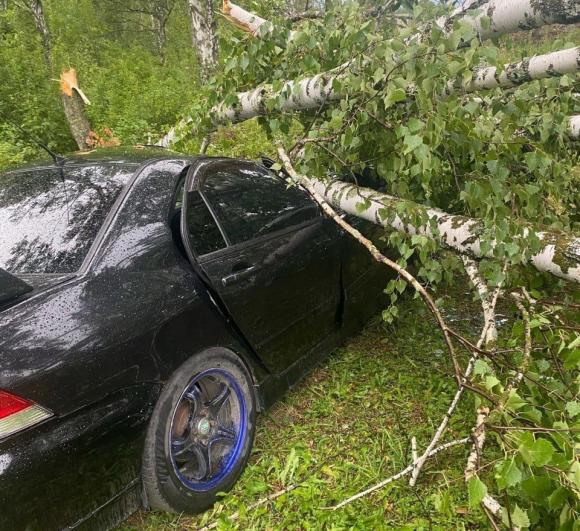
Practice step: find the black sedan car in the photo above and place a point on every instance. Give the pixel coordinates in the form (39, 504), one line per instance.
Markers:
(151, 305)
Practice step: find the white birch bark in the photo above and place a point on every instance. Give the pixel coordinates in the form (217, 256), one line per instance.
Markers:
(203, 35)
(245, 20)
(574, 126)
(478, 436)
(311, 92)
(560, 254)
(498, 17)
(37, 10)
(306, 93)
(537, 67)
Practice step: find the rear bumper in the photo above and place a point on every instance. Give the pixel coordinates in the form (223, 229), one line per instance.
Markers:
(65, 472)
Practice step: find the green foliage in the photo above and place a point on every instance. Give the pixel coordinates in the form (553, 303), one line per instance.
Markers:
(477, 491)
(502, 157)
(132, 91)
(538, 430)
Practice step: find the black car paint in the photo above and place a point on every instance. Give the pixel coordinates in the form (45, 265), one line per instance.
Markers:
(11, 287)
(96, 347)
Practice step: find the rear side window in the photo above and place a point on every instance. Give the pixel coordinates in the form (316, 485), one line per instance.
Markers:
(250, 201)
(49, 218)
(204, 234)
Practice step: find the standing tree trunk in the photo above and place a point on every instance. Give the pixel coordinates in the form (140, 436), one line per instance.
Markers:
(37, 10)
(160, 36)
(203, 34)
(74, 100)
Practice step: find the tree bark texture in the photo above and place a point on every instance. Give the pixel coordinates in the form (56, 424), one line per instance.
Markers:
(73, 100)
(559, 255)
(204, 38)
(498, 17)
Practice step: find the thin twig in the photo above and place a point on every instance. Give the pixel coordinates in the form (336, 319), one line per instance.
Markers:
(205, 144)
(400, 474)
(487, 336)
(259, 503)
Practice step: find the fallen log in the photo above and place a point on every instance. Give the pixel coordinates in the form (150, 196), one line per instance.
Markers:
(559, 255)
(513, 74)
(498, 17)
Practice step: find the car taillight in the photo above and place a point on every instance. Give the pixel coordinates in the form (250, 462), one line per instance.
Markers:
(18, 413)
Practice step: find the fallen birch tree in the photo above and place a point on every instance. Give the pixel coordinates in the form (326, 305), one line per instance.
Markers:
(497, 17)
(312, 92)
(559, 254)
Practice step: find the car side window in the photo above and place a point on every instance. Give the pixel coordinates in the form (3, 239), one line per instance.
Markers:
(250, 201)
(204, 234)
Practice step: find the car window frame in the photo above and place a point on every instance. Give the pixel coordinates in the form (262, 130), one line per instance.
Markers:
(207, 165)
(94, 253)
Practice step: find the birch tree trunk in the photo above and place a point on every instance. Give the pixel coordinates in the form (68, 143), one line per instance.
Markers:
(560, 253)
(311, 92)
(537, 67)
(504, 15)
(37, 10)
(159, 22)
(204, 38)
(498, 17)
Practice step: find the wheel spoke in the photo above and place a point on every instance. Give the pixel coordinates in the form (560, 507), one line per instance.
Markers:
(215, 404)
(203, 460)
(204, 432)
(193, 458)
(192, 396)
(224, 434)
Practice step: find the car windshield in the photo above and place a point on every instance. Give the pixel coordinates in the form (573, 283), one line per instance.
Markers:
(50, 217)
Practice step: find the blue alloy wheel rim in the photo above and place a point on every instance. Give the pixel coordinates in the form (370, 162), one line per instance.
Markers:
(208, 429)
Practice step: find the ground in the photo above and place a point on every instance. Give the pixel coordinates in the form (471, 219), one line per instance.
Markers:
(347, 426)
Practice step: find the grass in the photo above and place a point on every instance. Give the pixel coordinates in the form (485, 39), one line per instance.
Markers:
(347, 426)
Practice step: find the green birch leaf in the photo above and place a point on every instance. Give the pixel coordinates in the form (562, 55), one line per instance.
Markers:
(507, 474)
(477, 491)
(520, 518)
(535, 453)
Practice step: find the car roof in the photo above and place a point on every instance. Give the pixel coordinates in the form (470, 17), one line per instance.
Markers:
(130, 155)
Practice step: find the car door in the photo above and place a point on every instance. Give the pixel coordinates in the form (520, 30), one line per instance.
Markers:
(278, 269)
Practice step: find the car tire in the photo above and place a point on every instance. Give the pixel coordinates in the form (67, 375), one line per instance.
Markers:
(201, 433)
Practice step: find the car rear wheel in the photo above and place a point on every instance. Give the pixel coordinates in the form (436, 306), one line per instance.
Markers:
(201, 433)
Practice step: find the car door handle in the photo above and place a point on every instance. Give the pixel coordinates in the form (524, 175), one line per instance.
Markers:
(238, 275)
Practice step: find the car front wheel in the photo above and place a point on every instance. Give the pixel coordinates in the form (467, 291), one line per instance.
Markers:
(200, 434)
